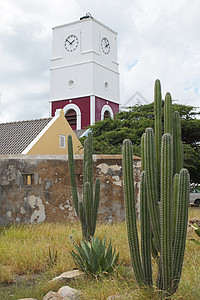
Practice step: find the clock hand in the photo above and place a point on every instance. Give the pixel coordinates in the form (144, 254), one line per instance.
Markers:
(72, 42)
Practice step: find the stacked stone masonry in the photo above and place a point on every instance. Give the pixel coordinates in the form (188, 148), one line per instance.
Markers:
(36, 188)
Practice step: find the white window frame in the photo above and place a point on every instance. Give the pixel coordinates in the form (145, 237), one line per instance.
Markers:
(62, 141)
(104, 109)
(78, 113)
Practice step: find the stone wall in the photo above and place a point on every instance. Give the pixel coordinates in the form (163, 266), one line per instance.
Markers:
(36, 188)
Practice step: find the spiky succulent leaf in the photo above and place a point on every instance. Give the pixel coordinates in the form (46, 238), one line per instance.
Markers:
(94, 258)
(196, 229)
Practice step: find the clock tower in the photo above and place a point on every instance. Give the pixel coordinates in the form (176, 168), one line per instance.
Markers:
(84, 77)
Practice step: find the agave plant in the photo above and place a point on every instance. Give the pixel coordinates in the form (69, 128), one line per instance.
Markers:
(196, 228)
(93, 257)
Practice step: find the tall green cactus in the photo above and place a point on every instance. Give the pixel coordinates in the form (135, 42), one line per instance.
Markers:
(145, 232)
(177, 143)
(163, 200)
(87, 209)
(152, 184)
(158, 125)
(168, 114)
(129, 195)
(181, 226)
(166, 210)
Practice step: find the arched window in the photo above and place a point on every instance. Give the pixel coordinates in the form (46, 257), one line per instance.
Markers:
(106, 112)
(107, 115)
(71, 118)
(73, 115)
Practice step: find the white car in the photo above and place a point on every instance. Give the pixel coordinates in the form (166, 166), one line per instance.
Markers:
(195, 197)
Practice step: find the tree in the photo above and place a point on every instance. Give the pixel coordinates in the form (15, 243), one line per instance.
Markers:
(108, 135)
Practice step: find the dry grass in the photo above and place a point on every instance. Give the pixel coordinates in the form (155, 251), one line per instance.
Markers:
(25, 266)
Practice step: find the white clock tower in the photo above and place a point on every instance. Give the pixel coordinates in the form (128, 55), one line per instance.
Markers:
(84, 72)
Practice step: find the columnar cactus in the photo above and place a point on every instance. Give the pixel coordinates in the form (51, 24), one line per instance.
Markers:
(163, 201)
(177, 143)
(181, 226)
(86, 209)
(129, 195)
(168, 114)
(152, 184)
(158, 124)
(166, 210)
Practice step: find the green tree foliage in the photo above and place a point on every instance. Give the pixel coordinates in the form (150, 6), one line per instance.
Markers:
(108, 135)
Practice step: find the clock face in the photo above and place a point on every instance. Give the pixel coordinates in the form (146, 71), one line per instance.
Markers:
(71, 43)
(105, 45)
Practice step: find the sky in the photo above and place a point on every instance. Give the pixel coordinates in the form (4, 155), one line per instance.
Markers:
(156, 39)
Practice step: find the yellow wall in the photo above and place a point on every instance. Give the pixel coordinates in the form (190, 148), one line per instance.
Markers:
(49, 141)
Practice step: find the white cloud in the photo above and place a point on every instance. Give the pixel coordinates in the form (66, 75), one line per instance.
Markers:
(157, 39)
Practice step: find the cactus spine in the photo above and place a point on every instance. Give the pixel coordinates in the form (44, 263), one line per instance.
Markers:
(87, 209)
(163, 231)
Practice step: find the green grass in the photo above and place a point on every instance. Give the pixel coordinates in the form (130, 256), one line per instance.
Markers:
(26, 268)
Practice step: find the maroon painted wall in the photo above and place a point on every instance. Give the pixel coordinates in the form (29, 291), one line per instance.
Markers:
(100, 103)
(83, 103)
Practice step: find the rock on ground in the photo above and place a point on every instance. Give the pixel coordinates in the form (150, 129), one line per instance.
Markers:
(53, 296)
(27, 299)
(66, 291)
(68, 275)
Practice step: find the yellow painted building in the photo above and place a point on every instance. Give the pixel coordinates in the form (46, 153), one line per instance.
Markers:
(43, 136)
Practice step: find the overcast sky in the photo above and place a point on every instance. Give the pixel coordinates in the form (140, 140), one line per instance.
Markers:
(156, 39)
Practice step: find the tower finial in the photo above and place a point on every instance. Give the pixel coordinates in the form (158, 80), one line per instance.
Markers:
(88, 15)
